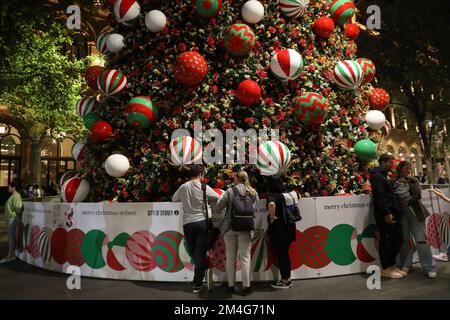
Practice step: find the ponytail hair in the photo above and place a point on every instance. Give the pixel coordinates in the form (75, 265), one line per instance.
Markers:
(242, 177)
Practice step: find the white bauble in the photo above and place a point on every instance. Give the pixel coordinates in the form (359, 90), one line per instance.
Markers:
(117, 165)
(155, 21)
(375, 119)
(253, 11)
(115, 42)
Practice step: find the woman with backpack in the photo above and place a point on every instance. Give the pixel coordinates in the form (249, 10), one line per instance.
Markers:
(281, 232)
(237, 228)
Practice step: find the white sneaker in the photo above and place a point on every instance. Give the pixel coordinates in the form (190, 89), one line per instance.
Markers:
(6, 260)
(441, 257)
(432, 275)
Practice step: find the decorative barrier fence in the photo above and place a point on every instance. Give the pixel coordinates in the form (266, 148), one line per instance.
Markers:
(144, 241)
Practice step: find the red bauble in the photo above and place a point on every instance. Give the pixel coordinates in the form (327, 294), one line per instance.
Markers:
(190, 68)
(351, 31)
(324, 27)
(100, 131)
(91, 76)
(379, 99)
(248, 92)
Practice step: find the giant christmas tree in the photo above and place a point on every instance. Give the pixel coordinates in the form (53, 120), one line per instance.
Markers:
(185, 62)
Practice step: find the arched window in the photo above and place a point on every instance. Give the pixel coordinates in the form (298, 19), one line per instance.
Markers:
(10, 154)
(56, 159)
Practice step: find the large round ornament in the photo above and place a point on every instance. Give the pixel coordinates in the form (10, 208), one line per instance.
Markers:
(190, 68)
(368, 68)
(311, 246)
(375, 119)
(73, 247)
(127, 11)
(100, 131)
(434, 230)
(165, 251)
(293, 8)
(274, 157)
(115, 42)
(379, 99)
(116, 254)
(139, 251)
(75, 190)
(207, 8)
(155, 21)
(252, 11)
(239, 39)
(117, 165)
(185, 150)
(348, 75)
(311, 108)
(78, 152)
(365, 150)
(324, 27)
(90, 119)
(286, 64)
(68, 175)
(100, 44)
(339, 242)
(248, 92)
(111, 81)
(141, 112)
(366, 250)
(351, 31)
(91, 76)
(85, 106)
(342, 11)
(33, 247)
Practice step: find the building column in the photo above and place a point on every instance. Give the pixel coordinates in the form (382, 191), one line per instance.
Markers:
(35, 162)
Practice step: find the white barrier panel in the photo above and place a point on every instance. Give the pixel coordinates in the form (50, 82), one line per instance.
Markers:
(144, 241)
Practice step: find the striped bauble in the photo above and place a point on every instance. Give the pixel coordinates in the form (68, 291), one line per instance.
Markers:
(293, 8)
(111, 82)
(100, 44)
(184, 151)
(127, 11)
(141, 112)
(85, 106)
(342, 11)
(274, 157)
(286, 64)
(348, 75)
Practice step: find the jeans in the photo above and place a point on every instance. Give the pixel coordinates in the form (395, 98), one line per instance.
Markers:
(238, 241)
(196, 236)
(411, 226)
(390, 242)
(12, 225)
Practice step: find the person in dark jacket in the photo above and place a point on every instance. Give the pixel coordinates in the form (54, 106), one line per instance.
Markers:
(281, 233)
(387, 217)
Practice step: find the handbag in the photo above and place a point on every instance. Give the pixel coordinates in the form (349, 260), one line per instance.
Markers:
(212, 232)
(290, 207)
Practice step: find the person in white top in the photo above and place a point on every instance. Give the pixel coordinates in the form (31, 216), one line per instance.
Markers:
(190, 194)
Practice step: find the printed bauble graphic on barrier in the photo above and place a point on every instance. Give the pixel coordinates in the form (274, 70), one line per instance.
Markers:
(294, 251)
(44, 243)
(19, 237)
(366, 250)
(26, 236)
(312, 244)
(216, 257)
(139, 251)
(73, 247)
(444, 229)
(92, 248)
(165, 251)
(117, 248)
(433, 230)
(185, 256)
(341, 244)
(58, 245)
(262, 254)
(33, 247)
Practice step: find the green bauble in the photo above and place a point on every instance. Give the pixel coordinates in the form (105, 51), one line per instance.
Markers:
(90, 119)
(339, 246)
(365, 150)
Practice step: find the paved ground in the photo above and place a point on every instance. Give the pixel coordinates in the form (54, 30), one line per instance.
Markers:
(19, 280)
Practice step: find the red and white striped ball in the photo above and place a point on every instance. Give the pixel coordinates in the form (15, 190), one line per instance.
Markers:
(68, 175)
(78, 150)
(139, 251)
(127, 11)
(85, 105)
(75, 190)
(286, 64)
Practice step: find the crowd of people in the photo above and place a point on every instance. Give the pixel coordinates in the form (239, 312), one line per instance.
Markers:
(399, 215)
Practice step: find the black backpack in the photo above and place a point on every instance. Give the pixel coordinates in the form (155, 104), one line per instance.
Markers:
(290, 207)
(242, 214)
